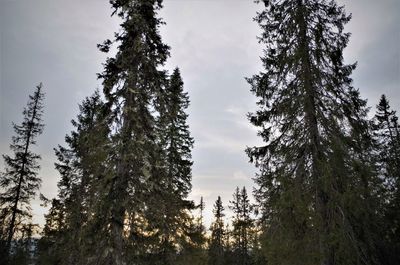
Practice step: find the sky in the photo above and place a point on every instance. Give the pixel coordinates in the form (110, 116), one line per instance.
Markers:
(212, 41)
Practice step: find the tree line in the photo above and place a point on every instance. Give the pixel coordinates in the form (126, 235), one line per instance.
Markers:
(327, 188)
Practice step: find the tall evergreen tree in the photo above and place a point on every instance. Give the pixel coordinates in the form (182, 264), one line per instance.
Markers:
(216, 251)
(387, 135)
(169, 205)
(134, 87)
(242, 226)
(176, 137)
(123, 192)
(20, 182)
(81, 165)
(316, 180)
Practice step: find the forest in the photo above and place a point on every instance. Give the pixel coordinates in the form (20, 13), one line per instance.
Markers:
(327, 187)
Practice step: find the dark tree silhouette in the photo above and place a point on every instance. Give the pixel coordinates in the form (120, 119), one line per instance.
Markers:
(132, 82)
(20, 182)
(216, 250)
(67, 233)
(169, 210)
(316, 179)
(387, 136)
(242, 226)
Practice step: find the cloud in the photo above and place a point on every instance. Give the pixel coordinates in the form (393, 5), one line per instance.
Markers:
(213, 42)
(374, 44)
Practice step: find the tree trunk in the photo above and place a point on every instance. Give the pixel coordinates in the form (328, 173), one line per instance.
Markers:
(21, 174)
(310, 109)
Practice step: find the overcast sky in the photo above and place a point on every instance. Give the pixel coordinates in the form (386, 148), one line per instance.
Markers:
(212, 41)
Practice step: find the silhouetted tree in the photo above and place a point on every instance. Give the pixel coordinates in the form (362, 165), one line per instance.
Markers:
(386, 130)
(20, 182)
(316, 181)
(170, 209)
(132, 83)
(388, 137)
(242, 226)
(68, 230)
(49, 249)
(216, 249)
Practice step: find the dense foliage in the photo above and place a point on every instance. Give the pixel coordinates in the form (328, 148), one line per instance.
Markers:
(328, 187)
(319, 190)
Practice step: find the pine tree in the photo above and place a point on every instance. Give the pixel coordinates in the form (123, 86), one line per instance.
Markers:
(242, 226)
(216, 251)
(20, 182)
(386, 129)
(316, 180)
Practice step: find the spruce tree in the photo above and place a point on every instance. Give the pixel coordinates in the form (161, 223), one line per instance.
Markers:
(315, 184)
(126, 175)
(387, 136)
(169, 205)
(242, 226)
(81, 165)
(176, 137)
(19, 182)
(216, 250)
(133, 84)
(387, 131)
